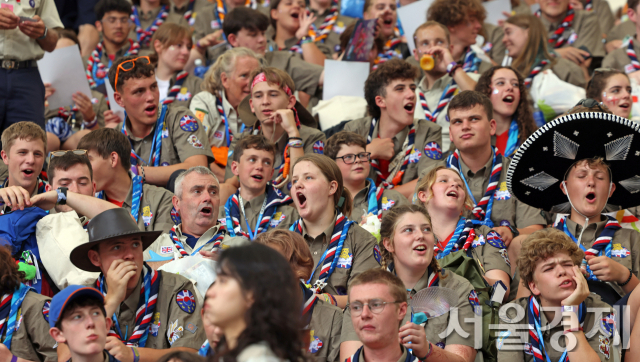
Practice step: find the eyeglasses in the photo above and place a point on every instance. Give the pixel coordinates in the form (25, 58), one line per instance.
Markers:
(376, 306)
(128, 65)
(351, 158)
(54, 154)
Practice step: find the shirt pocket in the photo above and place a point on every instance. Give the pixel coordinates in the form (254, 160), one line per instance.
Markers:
(29, 8)
(338, 280)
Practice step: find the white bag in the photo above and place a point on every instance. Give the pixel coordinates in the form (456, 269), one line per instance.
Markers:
(635, 95)
(554, 96)
(339, 108)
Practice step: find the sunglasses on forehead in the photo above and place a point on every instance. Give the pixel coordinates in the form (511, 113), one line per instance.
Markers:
(55, 154)
(130, 64)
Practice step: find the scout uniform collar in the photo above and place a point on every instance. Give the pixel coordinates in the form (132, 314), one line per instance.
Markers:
(214, 235)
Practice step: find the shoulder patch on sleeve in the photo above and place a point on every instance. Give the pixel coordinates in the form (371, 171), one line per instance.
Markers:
(188, 123)
(433, 150)
(494, 239)
(45, 311)
(475, 302)
(318, 147)
(186, 301)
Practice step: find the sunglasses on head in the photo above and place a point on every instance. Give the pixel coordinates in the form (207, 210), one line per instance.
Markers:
(55, 154)
(128, 65)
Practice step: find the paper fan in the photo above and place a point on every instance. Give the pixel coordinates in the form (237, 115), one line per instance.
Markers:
(434, 301)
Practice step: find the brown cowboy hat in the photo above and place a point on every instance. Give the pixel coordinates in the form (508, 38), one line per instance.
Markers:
(249, 118)
(109, 225)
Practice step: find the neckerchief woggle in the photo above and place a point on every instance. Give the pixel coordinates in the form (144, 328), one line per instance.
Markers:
(9, 306)
(512, 142)
(356, 356)
(535, 334)
(227, 133)
(41, 189)
(483, 216)
(216, 240)
(144, 36)
(205, 350)
(329, 258)
(146, 306)
(602, 244)
(374, 198)
(464, 234)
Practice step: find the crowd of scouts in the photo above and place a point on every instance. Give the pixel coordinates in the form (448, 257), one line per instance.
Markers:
(448, 224)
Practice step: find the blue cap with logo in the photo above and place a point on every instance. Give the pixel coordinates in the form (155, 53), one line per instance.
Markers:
(62, 299)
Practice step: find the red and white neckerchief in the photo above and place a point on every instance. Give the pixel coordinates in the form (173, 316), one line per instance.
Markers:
(445, 98)
(327, 24)
(99, 70)
(391, 50)
(535, 71)
(556, 40)
(588, 5)
(144, 36)
(216, 240)
(175, 89)
(221, 8)
(188, 15)
(633, 57)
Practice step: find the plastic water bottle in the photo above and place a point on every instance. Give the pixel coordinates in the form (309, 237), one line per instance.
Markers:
(538, 117)
(200, 69)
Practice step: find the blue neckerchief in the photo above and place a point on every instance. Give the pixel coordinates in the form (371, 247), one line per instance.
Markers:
(454, 239)
(512, 142)
(273, 199)
(205, 350)
(156, 145)
(374, 203)
(136, 197)
(16, 302)
(227, 133)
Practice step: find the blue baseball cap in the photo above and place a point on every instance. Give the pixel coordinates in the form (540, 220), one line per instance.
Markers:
(60, 300)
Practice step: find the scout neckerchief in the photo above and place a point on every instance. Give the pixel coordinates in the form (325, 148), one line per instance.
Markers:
(603, 242)
(188, 15)
(391, 50)
(329, 259)
(356, 356)
(146, 306)
(216, 240)
(136, 194)
(445, 98)
(408, 148)
(144, 36)
(535, 71)
(41, 189)
(9, 306)
(512, 142)
(205, 349)
(482, 209)
(631, 53)
(221, 9)
(235, 204)
(556, 40)
(432, 281)
(588, 5)
(225, 121)
(471, 61)
(374, 199)
(156, 144)
(310, 300)
(175, 89)
(536, 338)
(327, 24)
(464, 234)
(96, 71)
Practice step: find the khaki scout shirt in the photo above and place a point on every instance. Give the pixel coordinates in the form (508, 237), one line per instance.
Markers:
(333, 39)
(522, 9)
(355, 258)
(625, 245)
(204, 106)
(604, 14)
(621, 31)
(432, 95)
(305, 76)
(99, 104)
(513, 333)
(309, 137)
(568, 71)
(146, 19)
(618, 59)
(32, 340)
(401, 359)
(190, 88)
(4, 171)
(390, 198)
(493, 34)
(164, 248)
(283, 218)
(198, 6)
(16, 45)
(436, 328)
(585, 30)
(325, 328)
(169, 320)
(428, 134)
(178, 144)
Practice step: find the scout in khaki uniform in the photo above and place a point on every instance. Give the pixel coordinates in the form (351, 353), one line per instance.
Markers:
(188, 9)
(625, 58)
(130, 284)
(602, 9)
(329, 23)
(23, 315)
(164, 140)
(257, 206)
(348, 149)
(324, 206)
(396, 141)
(441, 83)
(549, 265)
(147, 18)
(618, 33)
(493, 45)
(273, 110)
(197, 189)
(580, 181)
(322, 318)
(171, 46)
(110, 154)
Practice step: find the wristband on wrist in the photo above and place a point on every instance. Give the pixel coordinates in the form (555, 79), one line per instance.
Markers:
(136, 354)
(579, 329)
(62, 196)
(305, 40)
(91, 123)
(295, 138)
(46, 30)
(428, 353)
(451, 68)
(14, 358)
(628, 279)
(295, 143)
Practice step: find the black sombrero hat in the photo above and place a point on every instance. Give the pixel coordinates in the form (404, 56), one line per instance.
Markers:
(540, 164)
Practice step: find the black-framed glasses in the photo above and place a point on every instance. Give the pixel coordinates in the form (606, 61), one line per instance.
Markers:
(54, 154)
(351, 158)
(376, 306)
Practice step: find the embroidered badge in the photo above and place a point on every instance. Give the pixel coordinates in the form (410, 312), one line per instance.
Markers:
(414, 156)
(155, 326)
(45, 310)
(345, 260)
(619, 251)
(387, 204)
(175, 216)
(528, 349)
(501, 337)
(502, 193)
(188, 123)
(164, 133)
(277, 219)
(184, 95)
(32, 3)
(146, 215)
(505, 256)
(608, 325)
(94, 100)
(164, 164)
(192, 328)
(572, 39)
(318, 147)
(315, 344)
(505, 223)
(174, 332)
(339, 27)
(433, 151)
(376, 253)
(215, 24)
(494, 239)
(475, 302)
(186, 301)
(441, 344)
(478, 241)
(166, 250)
(194, 141)
(629, 68)
(604, 346)
(200, 113)
(192, 21)
(218, 135)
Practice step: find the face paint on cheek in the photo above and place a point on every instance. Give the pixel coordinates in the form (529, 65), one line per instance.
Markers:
(495, 91)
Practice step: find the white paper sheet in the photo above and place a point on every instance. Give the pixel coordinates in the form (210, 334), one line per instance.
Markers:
(411, 17)
(344, 78)
(115, 107)
(64, 69)
(494, 10)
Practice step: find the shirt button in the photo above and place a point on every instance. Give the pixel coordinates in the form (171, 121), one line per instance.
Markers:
(315, 253)
(145, 141)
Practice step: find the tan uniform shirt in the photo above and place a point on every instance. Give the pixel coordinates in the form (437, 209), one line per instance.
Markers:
(618, 59)
(32, 341)
(428, 141)
(190, 87)
(4, 171)
(16, 45)
(436, 328)
(493, 35)
(355, 258)
(305, 76)
(147, 19)
(198, 6)
(333, 39)
(621, 31)
(171, 326)
(99, 102)
(522, 9)
(585, 31)
(514, 333)
(390, 198)
(602, 9)
(432, 96)
(178, 142)
(325, 329)
(568, 71)
(283, 218)
(164, 248)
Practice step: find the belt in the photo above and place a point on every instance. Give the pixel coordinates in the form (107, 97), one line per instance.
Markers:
(14, 64)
